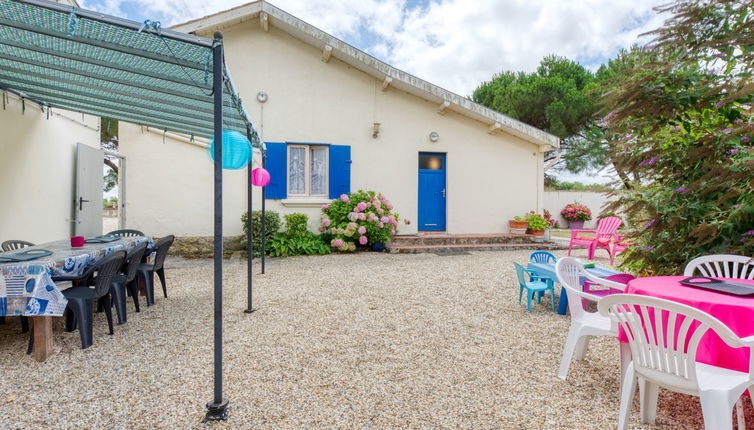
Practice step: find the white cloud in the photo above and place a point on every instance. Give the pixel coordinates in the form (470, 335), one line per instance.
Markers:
(452, 43)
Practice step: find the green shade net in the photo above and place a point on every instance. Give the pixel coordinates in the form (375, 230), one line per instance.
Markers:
(63, 57)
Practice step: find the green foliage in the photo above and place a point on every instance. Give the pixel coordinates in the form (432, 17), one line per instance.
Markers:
(306, 243)
(537, 221)
(296, 224)
(681, 123)
(272, 226)
(110, 180)
(362, 217)
(112, 202)
(577, 186)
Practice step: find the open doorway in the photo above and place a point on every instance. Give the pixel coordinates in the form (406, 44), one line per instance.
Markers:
(113, 190)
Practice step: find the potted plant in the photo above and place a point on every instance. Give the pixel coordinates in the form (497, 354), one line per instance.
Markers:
(518, 225)
(537, 224)
(576, 214)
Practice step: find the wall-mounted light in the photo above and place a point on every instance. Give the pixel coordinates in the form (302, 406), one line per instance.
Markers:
(375, 130)
(434, 137)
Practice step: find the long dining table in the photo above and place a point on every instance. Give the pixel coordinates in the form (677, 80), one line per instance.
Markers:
(27, 288)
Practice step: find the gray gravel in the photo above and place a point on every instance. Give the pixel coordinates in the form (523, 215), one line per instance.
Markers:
(340, 341)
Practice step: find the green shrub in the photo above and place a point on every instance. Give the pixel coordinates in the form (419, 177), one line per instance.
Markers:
(272, 226)
(537, 221)
(296, 224)
(284, 245)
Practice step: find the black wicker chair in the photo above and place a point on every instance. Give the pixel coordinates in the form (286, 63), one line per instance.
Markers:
(146, 272)
(126, 281)
(79, 310)
(126, 233)
(12, 245)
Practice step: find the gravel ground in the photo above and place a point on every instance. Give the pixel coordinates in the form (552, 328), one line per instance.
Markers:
(340, 341)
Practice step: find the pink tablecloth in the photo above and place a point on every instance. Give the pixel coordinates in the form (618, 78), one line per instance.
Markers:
(735, 311)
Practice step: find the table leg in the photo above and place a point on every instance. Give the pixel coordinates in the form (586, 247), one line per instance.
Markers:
(42, 327)
(563, 302)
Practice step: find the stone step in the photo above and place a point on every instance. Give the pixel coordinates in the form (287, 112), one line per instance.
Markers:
(462, 248)
(462, 239)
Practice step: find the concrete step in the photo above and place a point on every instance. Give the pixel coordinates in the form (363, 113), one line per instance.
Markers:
(463, 248)
(461, 239)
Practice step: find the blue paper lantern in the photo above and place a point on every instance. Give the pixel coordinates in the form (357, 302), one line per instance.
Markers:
(236, 150)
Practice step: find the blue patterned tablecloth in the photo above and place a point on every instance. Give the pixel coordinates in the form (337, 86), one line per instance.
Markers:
(26, 288)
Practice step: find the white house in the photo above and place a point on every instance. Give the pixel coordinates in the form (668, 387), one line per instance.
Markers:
(336, 119)
(333, 118)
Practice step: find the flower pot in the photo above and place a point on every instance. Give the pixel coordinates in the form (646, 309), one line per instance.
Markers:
(535, 232)
(575, 225)
(518, 225)
(547, 235)
(378, 247)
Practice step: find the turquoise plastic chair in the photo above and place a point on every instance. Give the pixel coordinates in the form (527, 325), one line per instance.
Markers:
(535, 284)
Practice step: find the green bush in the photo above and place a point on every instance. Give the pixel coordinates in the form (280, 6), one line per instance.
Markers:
(284, 245)
(296, 225)
(537, 221)
(272, 226)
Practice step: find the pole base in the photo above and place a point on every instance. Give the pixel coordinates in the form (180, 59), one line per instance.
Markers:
(248, 311)
(216, 411)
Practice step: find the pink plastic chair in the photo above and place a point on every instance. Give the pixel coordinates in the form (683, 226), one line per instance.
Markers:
(606, 228)
(622, 278)
(618, 246)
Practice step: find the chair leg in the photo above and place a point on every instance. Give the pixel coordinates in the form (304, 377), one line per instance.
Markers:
(24, 324)
(2, 320)
(740, 420)
(574, 333)
(520, 293)
(70, 320)
(716, 409)
(161, 275)
(30, 345)
(82, 312)
(147, 277)
(648, 393)
(626, 397)
(118, 298)
(570, 245)
(133, 291)
(552, 298)
(528, 300)
(581, 347)
(105, 300)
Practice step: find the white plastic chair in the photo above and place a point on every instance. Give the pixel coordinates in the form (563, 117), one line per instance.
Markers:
(662, 359)
(722, 266)
(583, 324)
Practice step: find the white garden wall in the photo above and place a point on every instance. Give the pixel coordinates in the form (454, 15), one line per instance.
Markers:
(555, 201)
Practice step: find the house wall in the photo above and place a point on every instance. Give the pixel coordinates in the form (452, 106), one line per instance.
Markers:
(490, 178)
(37, 170)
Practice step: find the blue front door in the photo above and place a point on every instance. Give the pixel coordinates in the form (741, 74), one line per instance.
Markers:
(431, 191)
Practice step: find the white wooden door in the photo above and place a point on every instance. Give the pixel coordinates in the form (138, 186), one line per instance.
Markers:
(88, 197)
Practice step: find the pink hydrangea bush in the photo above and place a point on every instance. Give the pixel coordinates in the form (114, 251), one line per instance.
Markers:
(362, 217)
(576, 212)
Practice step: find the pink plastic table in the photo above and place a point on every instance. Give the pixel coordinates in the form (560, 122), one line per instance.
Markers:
(735, 311)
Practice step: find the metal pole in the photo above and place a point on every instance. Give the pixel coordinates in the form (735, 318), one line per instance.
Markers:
(217, 409)
(264, 215)
(249, 236)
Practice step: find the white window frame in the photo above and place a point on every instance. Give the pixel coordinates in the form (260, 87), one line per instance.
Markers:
(307, 170)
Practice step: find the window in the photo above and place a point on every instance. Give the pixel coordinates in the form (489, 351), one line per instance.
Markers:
(307, 171)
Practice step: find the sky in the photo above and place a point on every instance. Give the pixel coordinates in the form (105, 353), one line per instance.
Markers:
(456, 44)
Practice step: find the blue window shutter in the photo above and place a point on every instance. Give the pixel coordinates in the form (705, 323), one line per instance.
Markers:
(276, 163)
(340, 170)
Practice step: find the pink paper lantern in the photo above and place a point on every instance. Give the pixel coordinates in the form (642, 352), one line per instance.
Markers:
(260, 177)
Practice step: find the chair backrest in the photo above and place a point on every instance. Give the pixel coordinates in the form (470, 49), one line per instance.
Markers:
(542, 257)
(664, 336)
(126, 233)
(606, 227)
(106, 269)
(161, 247)
(570, 272)
(722, 266)
(132, 261)
(12, 245)
(521, 272)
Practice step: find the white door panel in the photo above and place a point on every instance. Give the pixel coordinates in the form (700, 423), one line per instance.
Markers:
(88, 198)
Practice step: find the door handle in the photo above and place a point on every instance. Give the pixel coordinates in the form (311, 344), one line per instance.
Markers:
(443, 193)
(81, 203)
